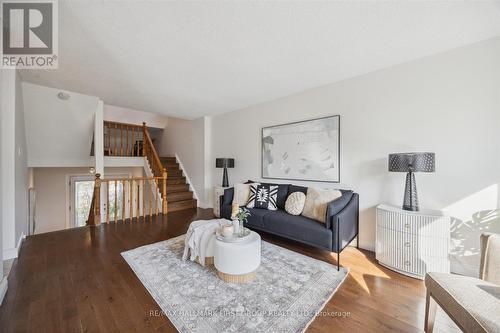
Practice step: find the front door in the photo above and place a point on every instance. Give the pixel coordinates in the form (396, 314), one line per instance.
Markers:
(82, 191)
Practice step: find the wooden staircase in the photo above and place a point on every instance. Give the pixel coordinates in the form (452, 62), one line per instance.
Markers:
(179, 196)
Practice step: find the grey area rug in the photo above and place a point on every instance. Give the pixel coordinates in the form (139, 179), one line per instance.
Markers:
(288, 292)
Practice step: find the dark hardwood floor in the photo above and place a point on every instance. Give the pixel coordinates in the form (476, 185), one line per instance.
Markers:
(76, 281)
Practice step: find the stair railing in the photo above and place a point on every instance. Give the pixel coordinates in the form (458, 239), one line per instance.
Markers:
(122, 139)
(140, 197)
(151, 154)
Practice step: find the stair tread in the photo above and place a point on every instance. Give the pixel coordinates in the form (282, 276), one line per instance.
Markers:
(181, 205)
(179, 194)
(177, 188)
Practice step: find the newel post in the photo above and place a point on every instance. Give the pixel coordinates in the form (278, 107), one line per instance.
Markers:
(97, 199)
(164, 192)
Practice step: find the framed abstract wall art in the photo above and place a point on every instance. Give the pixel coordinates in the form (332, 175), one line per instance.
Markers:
(306, 150)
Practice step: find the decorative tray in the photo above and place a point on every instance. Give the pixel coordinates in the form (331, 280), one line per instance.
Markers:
(235, 238)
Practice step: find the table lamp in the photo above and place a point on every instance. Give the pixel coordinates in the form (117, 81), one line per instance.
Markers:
(411, 163)
(224, 163)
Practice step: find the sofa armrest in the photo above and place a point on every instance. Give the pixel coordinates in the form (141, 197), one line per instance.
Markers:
(490, 258)
(345, 224)
(334, 207)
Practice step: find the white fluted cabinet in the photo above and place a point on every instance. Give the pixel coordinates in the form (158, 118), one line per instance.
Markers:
(412, 243)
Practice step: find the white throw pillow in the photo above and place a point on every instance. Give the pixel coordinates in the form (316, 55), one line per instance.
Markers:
(295, 202)
(316, 202)
(241, 193)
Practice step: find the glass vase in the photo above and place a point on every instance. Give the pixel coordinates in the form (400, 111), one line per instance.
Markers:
(241, 228)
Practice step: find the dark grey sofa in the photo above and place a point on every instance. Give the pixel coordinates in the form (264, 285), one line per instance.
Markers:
(341, 227)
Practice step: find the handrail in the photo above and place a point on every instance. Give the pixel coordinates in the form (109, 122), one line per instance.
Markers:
(140, 197)
(120, 123)
(150, 152)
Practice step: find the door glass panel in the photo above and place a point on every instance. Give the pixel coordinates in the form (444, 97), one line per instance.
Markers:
(84, 191)
(115, 207)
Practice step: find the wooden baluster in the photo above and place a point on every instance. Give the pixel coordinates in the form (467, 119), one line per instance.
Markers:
(126, 133)
(116, 202)
(109, 140)
(143, 200)
(121, 140)
(138, 140)
(115, 137)
(157, 188)
(144, 145)
(107, 202)
(137, 197)
(97, 199)
(131, 199)
(164, 194)
(133, 141)
(123, 200)
(150, 200)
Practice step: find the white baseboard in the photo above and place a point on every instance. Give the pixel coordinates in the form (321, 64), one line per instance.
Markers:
(191, 186)
(13, 252)
(3, 288)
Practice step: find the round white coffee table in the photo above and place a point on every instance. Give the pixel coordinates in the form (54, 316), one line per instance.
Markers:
(237, 262)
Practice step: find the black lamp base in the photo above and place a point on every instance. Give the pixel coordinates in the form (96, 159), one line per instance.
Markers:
(411, 198)
(225, 180)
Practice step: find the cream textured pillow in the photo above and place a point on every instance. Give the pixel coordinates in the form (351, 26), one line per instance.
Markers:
(295, 202)
(316, 202)
(241, 194)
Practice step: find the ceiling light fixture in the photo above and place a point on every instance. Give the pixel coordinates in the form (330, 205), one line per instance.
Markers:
(63, 96)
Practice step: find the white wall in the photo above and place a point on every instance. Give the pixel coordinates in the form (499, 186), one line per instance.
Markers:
(52, 194)
(447, 103)
(186, 138)
(131, 116)
(59, 132)
(21, 166)
(14, 171)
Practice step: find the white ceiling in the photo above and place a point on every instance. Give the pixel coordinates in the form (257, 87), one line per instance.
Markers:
(189, 59)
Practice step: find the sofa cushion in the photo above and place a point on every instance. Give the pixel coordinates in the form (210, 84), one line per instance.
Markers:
(225, 212)
(282, 193)
(473, 303)
(228, 196)
(256, 217)
(298, 228)
(317, 203)
(263, 196)
(295, 188)
(295, 203)
(241, 194)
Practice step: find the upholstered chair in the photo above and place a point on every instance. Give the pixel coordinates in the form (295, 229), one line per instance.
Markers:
(473, 304)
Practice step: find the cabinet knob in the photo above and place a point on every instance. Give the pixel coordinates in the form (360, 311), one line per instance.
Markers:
(407, 244)
(407, 225)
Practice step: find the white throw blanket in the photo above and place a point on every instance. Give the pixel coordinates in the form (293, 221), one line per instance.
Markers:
(197, 238)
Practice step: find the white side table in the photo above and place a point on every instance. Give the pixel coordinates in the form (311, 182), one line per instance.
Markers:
(412, 243)
(218, 191)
